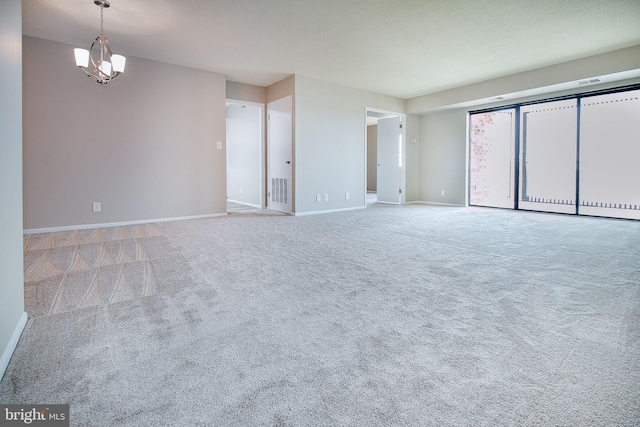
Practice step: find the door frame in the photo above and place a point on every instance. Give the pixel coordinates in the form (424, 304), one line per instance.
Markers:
(378, 114)
(263, 170)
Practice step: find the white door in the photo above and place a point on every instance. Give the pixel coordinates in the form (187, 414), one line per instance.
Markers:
(279, 130)
(389, 160)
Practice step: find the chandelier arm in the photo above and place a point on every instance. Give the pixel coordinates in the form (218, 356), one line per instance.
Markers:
(105, 54)
(87, 72)
(97, 39)
(97, 72)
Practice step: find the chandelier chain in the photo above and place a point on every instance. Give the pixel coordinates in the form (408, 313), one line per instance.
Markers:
(101, 20)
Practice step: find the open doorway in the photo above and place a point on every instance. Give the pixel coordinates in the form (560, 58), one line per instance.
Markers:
(245, 156)
(385, 157)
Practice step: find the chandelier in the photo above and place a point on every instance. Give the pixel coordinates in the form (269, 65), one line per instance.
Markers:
(105, 66)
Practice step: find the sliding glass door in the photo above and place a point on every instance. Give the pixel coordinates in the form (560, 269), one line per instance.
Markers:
(575, 155)
(610, 155)
(492, 159)
(548, 153)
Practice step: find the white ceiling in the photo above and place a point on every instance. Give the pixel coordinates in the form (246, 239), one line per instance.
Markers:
(403, 48)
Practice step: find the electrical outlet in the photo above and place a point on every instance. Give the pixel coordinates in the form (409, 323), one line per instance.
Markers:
(318, 197)
(326, 197)
(442, 192)
(97, 206)
(346, 195)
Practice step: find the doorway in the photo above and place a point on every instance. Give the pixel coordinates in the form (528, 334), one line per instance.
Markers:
(385, 157)
(245, 154)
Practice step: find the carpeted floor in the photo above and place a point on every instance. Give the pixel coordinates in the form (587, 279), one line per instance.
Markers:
(393, 315)
(239, 208)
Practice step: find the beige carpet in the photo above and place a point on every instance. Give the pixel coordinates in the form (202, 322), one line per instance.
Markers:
(96, 267)
(389, 316)
(76, 269)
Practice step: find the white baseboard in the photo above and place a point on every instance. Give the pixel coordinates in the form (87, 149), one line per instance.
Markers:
(452, 205)
(115, 224)
(12, 344)
(329, 211)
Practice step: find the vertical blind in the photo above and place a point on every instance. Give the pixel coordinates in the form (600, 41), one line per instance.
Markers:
(492, 160)
(610, 155)
(548, 156)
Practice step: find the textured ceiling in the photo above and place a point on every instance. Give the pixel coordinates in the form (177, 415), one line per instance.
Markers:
(395, 47)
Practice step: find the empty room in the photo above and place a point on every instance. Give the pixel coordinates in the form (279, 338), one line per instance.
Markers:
(342, 213)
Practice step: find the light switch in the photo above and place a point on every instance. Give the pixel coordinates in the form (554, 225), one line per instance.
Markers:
(219, 145)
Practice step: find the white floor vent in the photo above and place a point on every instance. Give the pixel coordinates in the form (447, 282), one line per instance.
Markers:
(279, 190)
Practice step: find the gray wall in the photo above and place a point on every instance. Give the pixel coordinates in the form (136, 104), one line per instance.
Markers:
(372, 156)
(144, 145)
(617, 61)
(443, 157)
(284, 87)
(11, 261)
(246, 92)
(329, 142)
